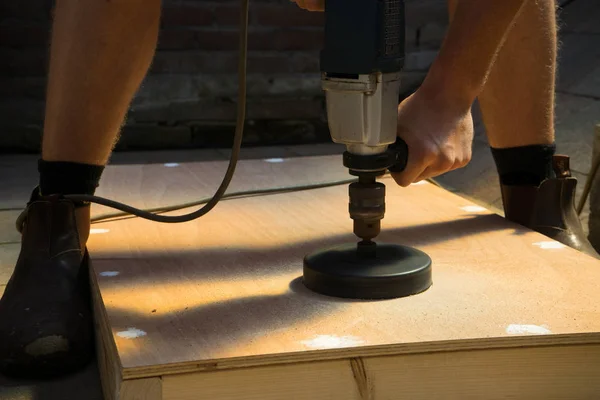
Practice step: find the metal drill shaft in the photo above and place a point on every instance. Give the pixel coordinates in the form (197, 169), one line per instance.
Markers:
(367, 206)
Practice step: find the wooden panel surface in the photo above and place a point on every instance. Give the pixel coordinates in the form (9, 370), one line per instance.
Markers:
(107, 359)
(142, 389)
(535, 373)
(152, 185)
(224, 291)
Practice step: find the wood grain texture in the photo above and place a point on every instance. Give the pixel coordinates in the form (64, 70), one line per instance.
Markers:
(113, 386)
(131, 174)
(536, 373)
(320, 380)
(107, 357)
(152, 185)
(142, 389)
(223, 292)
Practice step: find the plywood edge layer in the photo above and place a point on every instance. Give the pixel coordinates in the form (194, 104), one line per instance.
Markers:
(109, 363)
(141, 389)
(373, 351)
(557, 372)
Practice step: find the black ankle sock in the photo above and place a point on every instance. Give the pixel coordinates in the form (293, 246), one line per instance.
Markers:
(526, 165)
(59, 177)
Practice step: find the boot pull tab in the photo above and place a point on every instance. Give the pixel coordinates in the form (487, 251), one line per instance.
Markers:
(562, 168)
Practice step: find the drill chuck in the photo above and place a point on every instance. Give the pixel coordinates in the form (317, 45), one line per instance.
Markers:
(367, 207)
(367, 196)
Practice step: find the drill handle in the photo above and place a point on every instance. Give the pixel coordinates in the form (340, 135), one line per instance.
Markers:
(400, 148)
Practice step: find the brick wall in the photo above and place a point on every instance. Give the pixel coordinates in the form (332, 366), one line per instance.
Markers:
(189, 96)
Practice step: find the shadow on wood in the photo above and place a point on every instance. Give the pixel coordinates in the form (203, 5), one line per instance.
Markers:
(233, 262)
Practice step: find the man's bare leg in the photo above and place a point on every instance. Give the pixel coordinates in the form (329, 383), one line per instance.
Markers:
(517, 102)
(517, 106)
(100, 53)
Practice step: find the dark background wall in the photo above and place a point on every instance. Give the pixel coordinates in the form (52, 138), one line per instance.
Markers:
(188, 98)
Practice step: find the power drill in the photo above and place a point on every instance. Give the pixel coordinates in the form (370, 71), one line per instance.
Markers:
(361, 70)
(361, 67)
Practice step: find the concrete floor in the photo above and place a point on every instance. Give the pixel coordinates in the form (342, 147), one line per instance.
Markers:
(578, 110)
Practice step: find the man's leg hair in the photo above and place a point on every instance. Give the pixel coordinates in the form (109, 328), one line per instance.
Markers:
(99, 55)
(517, 107)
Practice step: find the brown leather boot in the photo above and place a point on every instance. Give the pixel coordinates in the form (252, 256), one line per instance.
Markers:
(46, 324)
(549, 208)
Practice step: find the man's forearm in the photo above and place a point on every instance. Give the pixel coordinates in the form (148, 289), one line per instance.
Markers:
(474, 37)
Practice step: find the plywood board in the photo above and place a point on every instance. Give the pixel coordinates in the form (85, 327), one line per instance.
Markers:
(558, 372)
(143, 185)
(223, 295)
